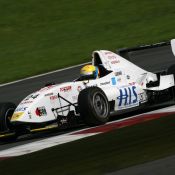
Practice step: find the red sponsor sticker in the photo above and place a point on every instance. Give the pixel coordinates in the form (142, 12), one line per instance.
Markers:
(65, 89)
(79, 88)
(115, 62)
(111, 57)
(41, 111)
(54, 97)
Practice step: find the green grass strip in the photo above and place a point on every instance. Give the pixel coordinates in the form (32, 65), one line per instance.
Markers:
(37, 36)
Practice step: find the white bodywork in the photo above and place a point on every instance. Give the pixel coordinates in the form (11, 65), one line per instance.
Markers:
(125, 85)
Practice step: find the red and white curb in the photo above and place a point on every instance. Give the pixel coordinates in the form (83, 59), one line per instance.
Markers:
(76, 135)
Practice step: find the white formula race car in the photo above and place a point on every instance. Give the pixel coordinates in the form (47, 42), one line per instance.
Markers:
(122, 86)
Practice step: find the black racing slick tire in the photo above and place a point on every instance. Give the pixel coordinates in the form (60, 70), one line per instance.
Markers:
(6, 112)
(171, 70)
(93, 106)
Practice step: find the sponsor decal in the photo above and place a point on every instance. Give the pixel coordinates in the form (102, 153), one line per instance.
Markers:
(128, 77)
(16, 116)
(142, 97)
(32, 96)
(41, 111)
(94, 85)
(118, 79)
(30, 115)
(20, 109)
(118, 73)
(54, 97)
(79, 88)
(107, 52)
(66, 89)
(26, 102)
(49, 94)
(111, 57)
(63, 121)
(46, 88)
(128, 97)
(105, 83)
(132, 83)
(113, 80)
(115, 62)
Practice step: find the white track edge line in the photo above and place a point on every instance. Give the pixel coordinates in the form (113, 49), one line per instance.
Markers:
(40, 75)
(5, 153)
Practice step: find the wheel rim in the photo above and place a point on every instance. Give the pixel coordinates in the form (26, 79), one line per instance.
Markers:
(8, 116)
(100, 105)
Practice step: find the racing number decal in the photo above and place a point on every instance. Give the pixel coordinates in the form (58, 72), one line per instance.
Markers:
(128, 96)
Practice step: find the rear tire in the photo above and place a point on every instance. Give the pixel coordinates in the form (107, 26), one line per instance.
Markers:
(171, 70)
(6, 112)
(93, 106)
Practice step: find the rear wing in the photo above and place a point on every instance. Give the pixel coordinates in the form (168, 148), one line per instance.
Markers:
(160, 55)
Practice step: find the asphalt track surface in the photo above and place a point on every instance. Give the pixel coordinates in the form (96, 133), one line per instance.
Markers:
(17, 91)
(163, 166)
(154, 59)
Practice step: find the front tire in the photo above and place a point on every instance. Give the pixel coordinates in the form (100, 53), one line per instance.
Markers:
(93, 106)
(6, 112)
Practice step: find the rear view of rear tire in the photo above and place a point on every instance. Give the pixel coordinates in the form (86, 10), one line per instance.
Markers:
(93, 106)
(6, 112)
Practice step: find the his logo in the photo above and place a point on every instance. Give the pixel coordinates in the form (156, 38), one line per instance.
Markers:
(128, 96)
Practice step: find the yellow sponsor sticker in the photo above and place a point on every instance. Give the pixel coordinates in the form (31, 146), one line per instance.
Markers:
(16, 116)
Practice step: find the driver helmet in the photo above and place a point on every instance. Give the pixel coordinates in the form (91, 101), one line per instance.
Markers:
(89, 72)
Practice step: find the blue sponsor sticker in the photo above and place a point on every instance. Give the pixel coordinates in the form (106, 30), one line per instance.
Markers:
(128, 96)
(113, 81)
